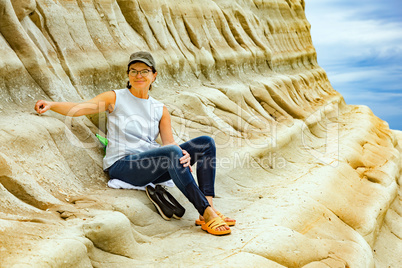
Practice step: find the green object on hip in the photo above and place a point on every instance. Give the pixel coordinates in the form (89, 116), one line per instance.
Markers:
(102, 140)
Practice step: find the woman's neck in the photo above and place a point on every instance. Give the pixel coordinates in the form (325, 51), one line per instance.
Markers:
(142, 94)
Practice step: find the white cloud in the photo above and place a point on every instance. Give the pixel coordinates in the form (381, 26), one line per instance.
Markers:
(338, 29)
(359, 44)
(360, 75)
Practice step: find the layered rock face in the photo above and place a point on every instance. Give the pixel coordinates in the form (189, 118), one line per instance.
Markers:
(312, 182)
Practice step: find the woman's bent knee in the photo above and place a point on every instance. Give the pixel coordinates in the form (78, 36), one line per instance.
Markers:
(209, 142)
(205, 141)
(172, 150)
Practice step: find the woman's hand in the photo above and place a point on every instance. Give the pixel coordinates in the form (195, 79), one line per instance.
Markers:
(186, 160)
(42, 106)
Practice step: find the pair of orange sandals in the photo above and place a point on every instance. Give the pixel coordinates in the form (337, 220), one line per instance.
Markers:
(212, 225)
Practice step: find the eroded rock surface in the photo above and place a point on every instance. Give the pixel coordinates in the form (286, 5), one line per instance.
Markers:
(312, 182)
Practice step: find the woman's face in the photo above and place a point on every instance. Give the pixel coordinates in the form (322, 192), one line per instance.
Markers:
(139, 81)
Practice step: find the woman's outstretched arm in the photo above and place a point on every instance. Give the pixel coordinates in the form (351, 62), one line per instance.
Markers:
(102, 102)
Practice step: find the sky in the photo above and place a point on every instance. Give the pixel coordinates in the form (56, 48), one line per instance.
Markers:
(359, 45)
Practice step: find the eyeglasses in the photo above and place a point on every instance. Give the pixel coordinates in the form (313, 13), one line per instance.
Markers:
(142, 72)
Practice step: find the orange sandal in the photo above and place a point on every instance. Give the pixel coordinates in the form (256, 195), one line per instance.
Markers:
(213, 224)
(199, 222)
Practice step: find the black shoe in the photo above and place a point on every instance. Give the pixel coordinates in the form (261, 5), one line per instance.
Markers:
(168, 199)
(157, 199)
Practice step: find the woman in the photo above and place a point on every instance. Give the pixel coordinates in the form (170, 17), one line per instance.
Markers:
(134, 121)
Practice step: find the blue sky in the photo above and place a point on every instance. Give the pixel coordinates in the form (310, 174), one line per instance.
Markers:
(359, 44)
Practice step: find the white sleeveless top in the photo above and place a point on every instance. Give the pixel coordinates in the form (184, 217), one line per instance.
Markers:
(132, 127)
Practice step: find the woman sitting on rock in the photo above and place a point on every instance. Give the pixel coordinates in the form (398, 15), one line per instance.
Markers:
(134, 121)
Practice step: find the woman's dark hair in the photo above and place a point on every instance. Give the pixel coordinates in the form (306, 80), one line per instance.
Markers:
(128, 70)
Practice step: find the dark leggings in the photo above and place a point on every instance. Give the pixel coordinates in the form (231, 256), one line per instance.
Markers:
(162, 164)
